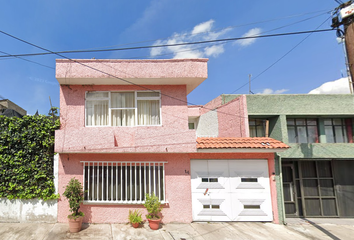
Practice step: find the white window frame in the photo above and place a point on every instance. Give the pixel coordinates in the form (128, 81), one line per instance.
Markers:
(136, 98)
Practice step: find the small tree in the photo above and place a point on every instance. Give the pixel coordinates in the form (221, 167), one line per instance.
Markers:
(75, 195)
(153, 206)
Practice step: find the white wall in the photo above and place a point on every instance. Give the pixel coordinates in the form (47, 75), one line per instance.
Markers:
(32, 210)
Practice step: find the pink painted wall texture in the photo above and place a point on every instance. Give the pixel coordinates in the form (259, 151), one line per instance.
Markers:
(178, 184)
(178, 187)
(233, 118)
(172, 136)
(127, 69)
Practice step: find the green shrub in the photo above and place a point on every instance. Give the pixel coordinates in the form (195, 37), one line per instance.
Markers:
(135, 216)
(153, 206)
(75, 195)
(26, 157)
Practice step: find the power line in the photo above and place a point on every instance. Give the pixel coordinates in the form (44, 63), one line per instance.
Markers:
(108, 74)
(270, 66)
(24, 59)
(192, 49)
(219, 29)
(162, 45)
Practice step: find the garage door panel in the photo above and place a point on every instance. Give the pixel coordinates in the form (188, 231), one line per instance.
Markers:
(231, 190)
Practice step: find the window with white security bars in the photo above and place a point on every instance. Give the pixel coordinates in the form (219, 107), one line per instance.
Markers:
(123, 182)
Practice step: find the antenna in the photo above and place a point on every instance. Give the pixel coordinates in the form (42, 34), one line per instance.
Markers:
(249, 83)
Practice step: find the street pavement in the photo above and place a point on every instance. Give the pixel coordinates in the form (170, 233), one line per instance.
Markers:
(294, 229)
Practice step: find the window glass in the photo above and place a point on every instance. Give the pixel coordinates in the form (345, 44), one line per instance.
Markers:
(300, 121)
(337, 122)
(122, 109)
(253, 132)
(291, 134)
(312, 122)
(336, 130)
(148, 112)
(339, 134)
(301, 134)
(148, 94)
(97, 113)
(290, 121)
(302, 130)
(257, 127)
(329, 134)
(122, 100)
(312, 134)
(124, 117)
(92, 95)
(191, 126)
(327, 121)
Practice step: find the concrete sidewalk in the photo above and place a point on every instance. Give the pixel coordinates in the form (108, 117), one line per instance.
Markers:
(296, 229)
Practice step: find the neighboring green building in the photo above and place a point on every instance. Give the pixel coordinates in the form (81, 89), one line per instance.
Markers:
(316, 175)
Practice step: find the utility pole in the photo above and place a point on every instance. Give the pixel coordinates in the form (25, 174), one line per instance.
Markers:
(344, 15)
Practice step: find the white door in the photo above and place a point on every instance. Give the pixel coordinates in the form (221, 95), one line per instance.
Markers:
(230, 190)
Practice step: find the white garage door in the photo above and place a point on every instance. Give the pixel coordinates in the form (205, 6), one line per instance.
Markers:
(230, 190)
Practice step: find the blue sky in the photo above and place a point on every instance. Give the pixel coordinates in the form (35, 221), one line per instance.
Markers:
(71, 25)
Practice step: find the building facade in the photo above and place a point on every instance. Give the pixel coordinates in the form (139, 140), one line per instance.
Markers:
(315, 174)
(126, 131)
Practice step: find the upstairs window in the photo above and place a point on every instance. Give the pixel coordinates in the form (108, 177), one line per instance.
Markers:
(335, 130)
(257, 127)
(123, 108)
(302, 130)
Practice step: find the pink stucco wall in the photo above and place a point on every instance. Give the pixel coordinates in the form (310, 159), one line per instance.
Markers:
(172, 136)
(194, 110)
(233, 118)
(141, 68)
(178, 187)
(178, 184)
(271, 169)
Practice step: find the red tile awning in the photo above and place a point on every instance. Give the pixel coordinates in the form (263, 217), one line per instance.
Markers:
(240, 144)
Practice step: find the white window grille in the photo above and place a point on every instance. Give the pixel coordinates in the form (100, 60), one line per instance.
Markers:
(123, 182)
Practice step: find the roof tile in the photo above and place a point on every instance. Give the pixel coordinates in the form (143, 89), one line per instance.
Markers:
(249, 142)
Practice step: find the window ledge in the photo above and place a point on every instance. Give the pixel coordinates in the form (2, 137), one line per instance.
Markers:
(118, 202)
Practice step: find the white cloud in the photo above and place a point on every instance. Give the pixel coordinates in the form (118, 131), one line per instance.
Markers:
(251, 33)
(214, 50)
(203, 27)
(271, 91)
(338, 86)
(200, 32)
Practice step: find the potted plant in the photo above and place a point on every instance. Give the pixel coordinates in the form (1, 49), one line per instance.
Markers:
(135, 218)
(75, 195)
(153, 207)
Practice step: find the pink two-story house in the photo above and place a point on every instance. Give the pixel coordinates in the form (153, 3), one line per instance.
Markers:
(126, 130)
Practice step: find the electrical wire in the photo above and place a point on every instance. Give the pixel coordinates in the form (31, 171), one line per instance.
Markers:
(217, 29)
(274, 63)
(24, 59)
(108, 74)
(165, 45)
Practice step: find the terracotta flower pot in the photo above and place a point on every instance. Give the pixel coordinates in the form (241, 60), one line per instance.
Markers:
(75, 224)
(135, 225)
(154, 223)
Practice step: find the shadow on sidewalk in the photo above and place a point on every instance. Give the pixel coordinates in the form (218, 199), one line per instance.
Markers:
(322, 229)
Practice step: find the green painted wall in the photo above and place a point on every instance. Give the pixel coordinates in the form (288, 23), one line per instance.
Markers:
(276, 108)
(299, 104)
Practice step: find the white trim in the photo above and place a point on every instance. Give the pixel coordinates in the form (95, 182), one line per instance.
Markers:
(239, 150)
